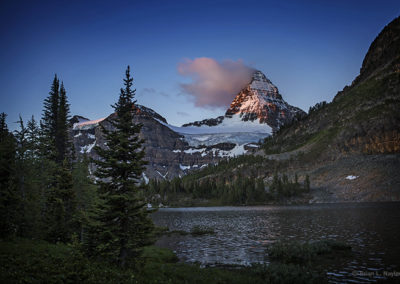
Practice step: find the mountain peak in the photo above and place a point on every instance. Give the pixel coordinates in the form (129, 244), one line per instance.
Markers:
(261, 84)
(260, 100)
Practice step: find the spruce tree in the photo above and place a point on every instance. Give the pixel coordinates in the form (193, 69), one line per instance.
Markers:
(60, 206)
(32, 137)
(28, 175)
(22, 171)
(22, 149)
(9, 201)
(124, 223)
(49, 121)
(62, 138)
(56, 168)
(86, 195)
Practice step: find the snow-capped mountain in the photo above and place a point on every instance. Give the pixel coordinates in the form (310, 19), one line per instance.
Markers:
(174, 151)
(257, 108)
(168, 152)
(260, 101)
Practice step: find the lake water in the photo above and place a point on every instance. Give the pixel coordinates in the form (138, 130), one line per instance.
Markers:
(242, 235)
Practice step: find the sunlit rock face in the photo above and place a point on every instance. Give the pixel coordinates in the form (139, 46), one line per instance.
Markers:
(260, 102)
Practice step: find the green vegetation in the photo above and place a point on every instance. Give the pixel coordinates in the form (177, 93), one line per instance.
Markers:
(199, 230)
(225, 189)
(120, 226)
(304, 253)
(282, 187)
(26, 261)
(358, 111)
(86, 230)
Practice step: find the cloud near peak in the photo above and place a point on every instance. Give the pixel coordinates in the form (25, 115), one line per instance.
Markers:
(214, 84)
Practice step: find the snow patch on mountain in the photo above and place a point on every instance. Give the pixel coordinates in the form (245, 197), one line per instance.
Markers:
(240, 138)
(145, 178)
(87, 148)
(215, 152)
(351, 177)
(192, 150)
(232, 130)
(183, 168)
(163, 176)
(228, 125)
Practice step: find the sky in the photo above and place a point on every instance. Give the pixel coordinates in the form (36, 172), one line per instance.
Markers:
(309, 49)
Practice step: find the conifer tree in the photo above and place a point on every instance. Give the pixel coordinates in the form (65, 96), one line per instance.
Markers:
(86, 195)
(32, 137)
(125, 225)
(56, 165)
(60, 207)
(62, 138)
(28, 175)
(21, 151)
(22, 171)
(49, 121)
(9, 201)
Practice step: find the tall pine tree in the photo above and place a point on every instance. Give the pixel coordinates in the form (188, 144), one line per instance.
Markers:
(22, 171)
(60, 206)
(86, 195)
(32, 138)
(28, 176)
(60, 203)
(124, 226)
(62, 138)
(49, 121)
(9, 201)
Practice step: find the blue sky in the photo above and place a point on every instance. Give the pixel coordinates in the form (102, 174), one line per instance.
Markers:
(309, 49)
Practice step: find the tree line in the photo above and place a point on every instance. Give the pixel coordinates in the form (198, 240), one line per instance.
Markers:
(225, 190)
(46, 191)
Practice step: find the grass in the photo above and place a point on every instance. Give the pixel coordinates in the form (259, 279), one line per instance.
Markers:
(304, 253)
(32, 261)
(198, 231)
(159, 255)
(27, 261)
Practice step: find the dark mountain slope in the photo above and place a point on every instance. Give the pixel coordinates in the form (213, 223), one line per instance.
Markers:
(363, 118)
(350, 147)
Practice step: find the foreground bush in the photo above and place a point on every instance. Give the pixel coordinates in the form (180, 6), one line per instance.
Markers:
(27, 261)
(304, 253)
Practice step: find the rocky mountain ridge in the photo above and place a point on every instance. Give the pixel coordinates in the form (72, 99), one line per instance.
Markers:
(260, 101)
(168, 153)
(175, 151)
(356, 135)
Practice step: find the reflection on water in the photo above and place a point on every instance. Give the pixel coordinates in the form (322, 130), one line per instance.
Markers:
(243, 233)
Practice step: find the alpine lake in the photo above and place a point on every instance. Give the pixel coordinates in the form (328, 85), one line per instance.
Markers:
(241, 236)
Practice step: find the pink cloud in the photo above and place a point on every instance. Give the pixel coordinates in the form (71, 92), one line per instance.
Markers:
(214, 84)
